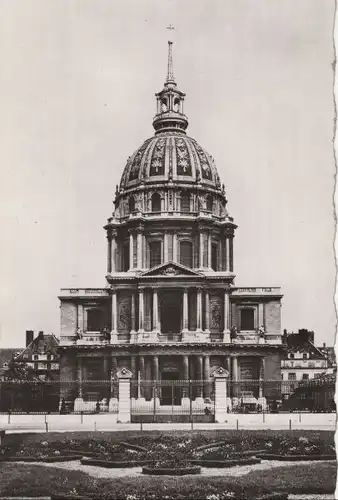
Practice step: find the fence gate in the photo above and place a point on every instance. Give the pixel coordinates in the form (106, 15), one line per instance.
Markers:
(172, 401)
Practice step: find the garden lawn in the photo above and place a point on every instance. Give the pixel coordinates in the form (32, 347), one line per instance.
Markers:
(29, 480)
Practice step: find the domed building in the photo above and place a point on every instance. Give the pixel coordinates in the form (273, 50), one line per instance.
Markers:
(170, 311)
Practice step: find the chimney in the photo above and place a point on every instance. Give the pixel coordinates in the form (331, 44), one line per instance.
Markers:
(40, 336)
(324, 345)
(29, 337)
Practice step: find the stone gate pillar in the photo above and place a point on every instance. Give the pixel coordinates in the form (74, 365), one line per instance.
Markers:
(124, 378)
(220, 376)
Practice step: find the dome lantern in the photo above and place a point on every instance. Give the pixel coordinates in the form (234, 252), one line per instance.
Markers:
(170, 115)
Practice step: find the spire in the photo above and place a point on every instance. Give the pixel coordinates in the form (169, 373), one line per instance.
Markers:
(170, 74)
(170, 115)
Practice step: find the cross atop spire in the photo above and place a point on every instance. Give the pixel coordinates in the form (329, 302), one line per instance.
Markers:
(170, 74)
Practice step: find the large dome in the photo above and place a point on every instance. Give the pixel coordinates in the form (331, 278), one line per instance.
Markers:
(170, 156)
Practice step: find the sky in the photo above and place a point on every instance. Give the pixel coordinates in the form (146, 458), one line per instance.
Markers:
(77, 85)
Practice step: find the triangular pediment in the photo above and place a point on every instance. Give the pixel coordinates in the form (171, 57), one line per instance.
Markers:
(170, 269)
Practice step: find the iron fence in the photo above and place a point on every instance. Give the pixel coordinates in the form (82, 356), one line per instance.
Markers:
(172, 400)
(166, 400)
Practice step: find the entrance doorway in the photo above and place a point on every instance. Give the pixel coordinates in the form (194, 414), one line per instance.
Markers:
(171, 312)
(171, 391)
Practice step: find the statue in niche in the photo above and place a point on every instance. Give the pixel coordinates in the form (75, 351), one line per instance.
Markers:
(261, 331)
(124, 315)
(233, 332)
(216, 316)
(106, 333)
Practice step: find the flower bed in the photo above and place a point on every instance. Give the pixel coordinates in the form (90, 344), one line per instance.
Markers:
(294, 458)
(109, 464)
(62, 450)
(226, 463)
(298, 446)
(57, 458)
(171, 471)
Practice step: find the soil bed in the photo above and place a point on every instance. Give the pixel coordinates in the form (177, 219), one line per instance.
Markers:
(226, 463)
(110, 464)
(168, 471)
(294, 458)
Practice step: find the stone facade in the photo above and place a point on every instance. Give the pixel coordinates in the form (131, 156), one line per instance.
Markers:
(171, 309)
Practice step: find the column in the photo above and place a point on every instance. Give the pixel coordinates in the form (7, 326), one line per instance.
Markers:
(139, 249)
(141, 310)
(199, 376)
(175, 247)
(199, 310)
(131, 250)
(113, 380)
(142, 376)
(185, 311)
(124, 377)
(207, 376)
(261, 315)
(113, 252)
(133, 391)
(165, 243)
(113, 334)
(105, 367)
(226, 330)
(231, 249)
(156, 376)
(227, 253)
(201, 262)
(79, 377)
(207, 312)
(155, 370)
(185, 374)
(220, 395)
(109, 252)
(235, 384)
(209, 250)
(133, 313)
(156, 328)
(261, 377)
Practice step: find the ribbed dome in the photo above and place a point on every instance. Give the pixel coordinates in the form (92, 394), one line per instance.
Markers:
(170, 157)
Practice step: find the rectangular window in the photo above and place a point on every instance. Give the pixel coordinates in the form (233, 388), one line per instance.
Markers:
(135, 251)
(155, 248)
(214, 257)
(305, 376)
(247, 319)
(186, 253)
(291, 376)
(126, 256)
(94, 320)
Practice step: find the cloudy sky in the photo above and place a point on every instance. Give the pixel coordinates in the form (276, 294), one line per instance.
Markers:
(77, 84)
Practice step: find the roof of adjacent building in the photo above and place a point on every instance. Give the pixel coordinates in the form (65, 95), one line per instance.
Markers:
(42, 344)
(7, 354)
(329, 352)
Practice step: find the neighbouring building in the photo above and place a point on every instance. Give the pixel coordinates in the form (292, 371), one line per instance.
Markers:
(41, 355)
(6, 357)
(170, 309)
(303, 360)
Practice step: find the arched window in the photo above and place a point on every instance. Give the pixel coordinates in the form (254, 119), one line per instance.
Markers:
(247, 319)
(214, 256)
(186, 253)
(131, 204)
(210, 203)
(156, 203)
(185, 201)
(155, 251)
(93, 320)
(125, 257)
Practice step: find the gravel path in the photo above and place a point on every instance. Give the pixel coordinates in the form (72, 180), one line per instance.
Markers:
(312, 497)
(238, 470)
